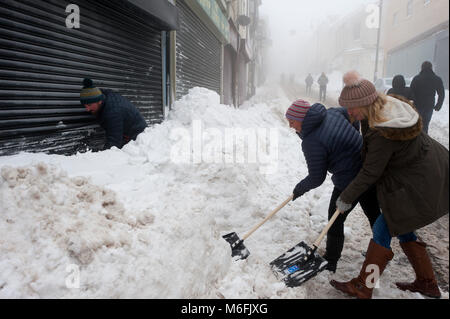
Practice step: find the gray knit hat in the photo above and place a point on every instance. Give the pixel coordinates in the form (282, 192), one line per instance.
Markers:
(357, 91)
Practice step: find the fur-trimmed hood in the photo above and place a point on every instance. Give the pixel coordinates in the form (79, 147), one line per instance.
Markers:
(403, 121)
(401, 134)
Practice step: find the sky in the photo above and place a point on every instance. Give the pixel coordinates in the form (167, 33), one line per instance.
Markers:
(291, 23)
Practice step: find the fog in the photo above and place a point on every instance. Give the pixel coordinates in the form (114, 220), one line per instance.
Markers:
(299, 30)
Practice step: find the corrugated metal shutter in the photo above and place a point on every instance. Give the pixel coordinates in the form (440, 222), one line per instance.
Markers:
(43, 63)
(198, 54)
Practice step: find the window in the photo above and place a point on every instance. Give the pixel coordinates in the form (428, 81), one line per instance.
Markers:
(395, 19)
(409, 8)
(425, 2)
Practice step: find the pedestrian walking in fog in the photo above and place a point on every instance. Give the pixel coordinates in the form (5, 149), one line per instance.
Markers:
(424, 86)
(399, 88)
(309, 82)
(323, 82)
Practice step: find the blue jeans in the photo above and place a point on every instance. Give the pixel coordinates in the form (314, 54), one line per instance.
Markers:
(382, 237)
(426, 118)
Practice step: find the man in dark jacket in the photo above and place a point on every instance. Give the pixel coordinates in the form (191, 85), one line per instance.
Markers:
(331, 144)
(425, 85)
(323, 82)
(116, 114)
(399, 88)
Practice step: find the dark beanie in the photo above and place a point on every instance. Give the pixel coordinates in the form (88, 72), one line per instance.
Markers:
(89, 93)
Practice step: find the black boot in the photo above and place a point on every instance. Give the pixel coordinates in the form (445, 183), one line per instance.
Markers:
(335, 244)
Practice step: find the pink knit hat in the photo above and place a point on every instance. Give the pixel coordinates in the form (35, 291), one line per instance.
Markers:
(297, 111)
(357, 91)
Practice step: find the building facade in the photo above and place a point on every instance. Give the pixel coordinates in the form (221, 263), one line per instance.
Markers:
(345, 43)
(415, 31)
(222, 33)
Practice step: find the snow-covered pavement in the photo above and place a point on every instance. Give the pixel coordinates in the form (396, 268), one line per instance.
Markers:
(147, 221)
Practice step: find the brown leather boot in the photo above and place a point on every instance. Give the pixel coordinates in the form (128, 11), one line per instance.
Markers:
(425, 282)
(357, 287)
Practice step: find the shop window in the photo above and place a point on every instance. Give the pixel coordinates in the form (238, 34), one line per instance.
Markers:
(409, 8)
(395, 19)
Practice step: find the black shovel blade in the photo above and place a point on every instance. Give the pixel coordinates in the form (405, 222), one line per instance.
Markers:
(298, 264)
(237, 246)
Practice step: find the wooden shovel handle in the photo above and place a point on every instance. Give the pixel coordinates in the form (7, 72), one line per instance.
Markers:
(330, 223)
(268, 217)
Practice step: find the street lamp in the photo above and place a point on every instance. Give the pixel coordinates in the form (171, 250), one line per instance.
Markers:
(378, 42)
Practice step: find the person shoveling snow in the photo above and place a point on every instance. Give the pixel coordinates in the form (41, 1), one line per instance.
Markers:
(330, 143)
(411, 171)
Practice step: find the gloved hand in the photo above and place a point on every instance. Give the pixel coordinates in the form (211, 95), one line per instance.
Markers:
(437, 108)
(343, 207)
(296, 192)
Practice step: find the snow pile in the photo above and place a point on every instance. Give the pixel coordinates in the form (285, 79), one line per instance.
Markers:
(52, 222)
(48, 213)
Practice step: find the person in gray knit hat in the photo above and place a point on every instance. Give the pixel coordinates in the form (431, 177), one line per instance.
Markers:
(119, 118)
(410, 171)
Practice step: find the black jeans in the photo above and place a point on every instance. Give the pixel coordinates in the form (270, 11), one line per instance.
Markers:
(335, 235)
(426, 118)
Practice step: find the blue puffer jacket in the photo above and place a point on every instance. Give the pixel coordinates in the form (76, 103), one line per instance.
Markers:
(120, 119)
(330, 143)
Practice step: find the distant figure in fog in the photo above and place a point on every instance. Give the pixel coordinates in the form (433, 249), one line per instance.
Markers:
(323, 81)
(309, 82)
(399, 88)
(424, 86)
(291, 78)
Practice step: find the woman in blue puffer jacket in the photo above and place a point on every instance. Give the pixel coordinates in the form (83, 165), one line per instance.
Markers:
(331, 143)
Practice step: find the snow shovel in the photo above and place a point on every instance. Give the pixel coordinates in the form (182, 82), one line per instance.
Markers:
(301, 263)
(237, 245)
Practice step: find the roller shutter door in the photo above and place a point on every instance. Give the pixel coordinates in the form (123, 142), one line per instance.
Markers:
(198, 54)
(43, 63)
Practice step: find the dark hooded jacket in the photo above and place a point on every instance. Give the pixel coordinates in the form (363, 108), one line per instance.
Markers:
(425, 86)
(399, 88)
(330, 143)
(411, 173)
(120, 119)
